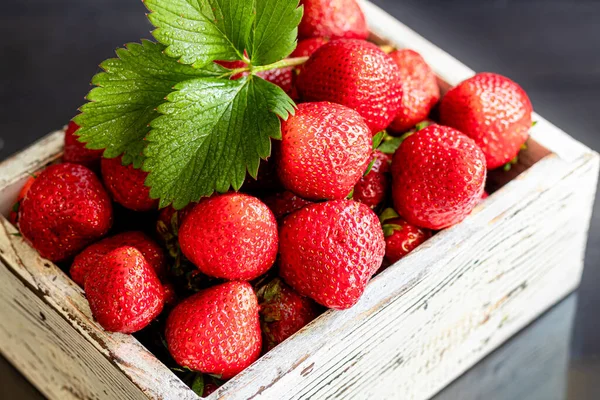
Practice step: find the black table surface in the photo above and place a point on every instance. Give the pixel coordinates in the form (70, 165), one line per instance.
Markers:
(50, 50)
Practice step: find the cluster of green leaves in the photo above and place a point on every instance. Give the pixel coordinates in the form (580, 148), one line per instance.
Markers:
(169, 109)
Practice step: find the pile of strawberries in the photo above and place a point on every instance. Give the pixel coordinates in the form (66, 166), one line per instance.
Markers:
(237, 273)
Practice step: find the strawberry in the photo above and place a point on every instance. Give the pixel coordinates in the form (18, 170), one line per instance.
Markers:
(91, 256)
(333, 19)
(124, 292)
(283, 312)
(329, 251)
(307, 47)
(438, 177)
(420, 90)
(231, 236)
(282, 77)
(76, 152)
(485, 195)
(372, 189)
(325, 149)
(492, 110)
(126, 185)
(170, 297)
(357, 74)
(400, 237)
(65, 209)
(216, 331)
(284, 203)
(13, 217)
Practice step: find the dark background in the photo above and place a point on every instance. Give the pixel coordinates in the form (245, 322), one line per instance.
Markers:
(50, 49)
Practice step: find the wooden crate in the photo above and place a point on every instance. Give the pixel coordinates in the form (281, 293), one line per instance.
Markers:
(420, 324)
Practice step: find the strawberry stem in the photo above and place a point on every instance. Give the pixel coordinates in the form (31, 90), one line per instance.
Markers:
(288, 62)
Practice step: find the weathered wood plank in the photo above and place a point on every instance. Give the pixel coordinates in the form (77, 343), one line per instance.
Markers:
(101, 363)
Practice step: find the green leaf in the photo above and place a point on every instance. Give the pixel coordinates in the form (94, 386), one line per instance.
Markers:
(388, 213)
(377, 139)
(389, 229)
(370, 167)
(128, 92)
(200, 32)
(212, 132)
(275, 30)
(198, 384)
(390, 144)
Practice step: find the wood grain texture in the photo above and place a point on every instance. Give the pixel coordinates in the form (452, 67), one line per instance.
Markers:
(420, 324)
(48, 332)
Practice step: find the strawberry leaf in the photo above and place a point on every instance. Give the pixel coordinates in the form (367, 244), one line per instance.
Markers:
(199, 32)
(275, 30)
(126, 96)
(212, 132)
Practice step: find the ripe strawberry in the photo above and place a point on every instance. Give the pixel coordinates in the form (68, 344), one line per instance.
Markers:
(231, 236)
(330, 250)
(438, 177)
(357, 74)
(284, 203)
(492, 110)
(124, 293)
(333, 19)
(282, 77)
(283, 312)
(324, 151)
(91, 256)
(13, 217)
(65, 209)
(216, 331)
(307, 47)
(485, 195)
(126, 185)
(420, 90)
(76, 152)
(171, 298)
(372, 189)
(400, 237)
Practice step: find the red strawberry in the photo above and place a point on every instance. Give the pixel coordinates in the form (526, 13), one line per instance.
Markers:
(372, 189)
(438, 177)
(170, 294)
(283, 312)
(400, 237)
(76, 152)
(492, 110)
(125, 294)
(209, 388)
(284, 203)
(65, 209)
(91, 256)
(329, 251)
(357, 74)
(231, 236)
(420, 90)
(282, 77)
(333, 19)
(216, 331)
(14, 212)
(126, 185)
(307, 47)
(325, 149)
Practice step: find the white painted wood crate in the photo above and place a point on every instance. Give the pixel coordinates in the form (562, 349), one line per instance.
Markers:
(420, 324)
